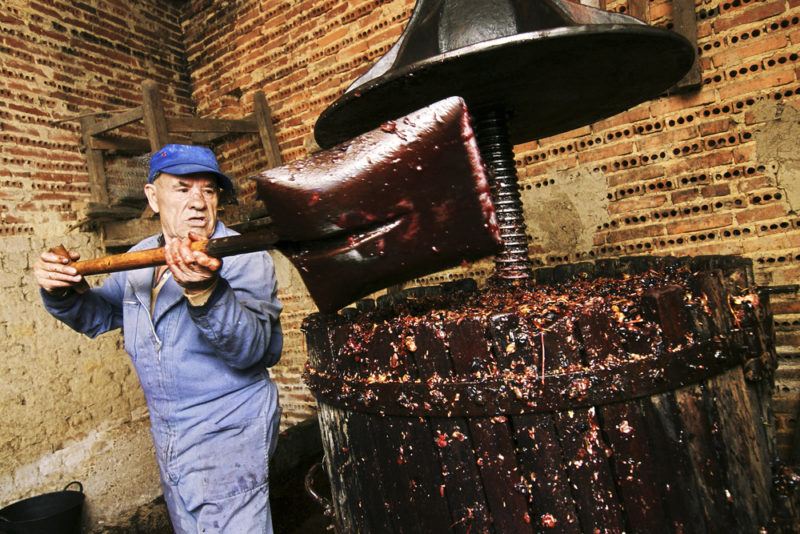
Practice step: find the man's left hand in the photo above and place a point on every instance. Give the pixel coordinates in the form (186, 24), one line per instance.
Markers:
(193, 270)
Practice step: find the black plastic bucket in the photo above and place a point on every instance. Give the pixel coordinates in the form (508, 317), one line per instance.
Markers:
(58, 512)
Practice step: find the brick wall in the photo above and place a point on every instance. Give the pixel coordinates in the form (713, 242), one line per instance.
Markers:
(710, 172)
(72, 408)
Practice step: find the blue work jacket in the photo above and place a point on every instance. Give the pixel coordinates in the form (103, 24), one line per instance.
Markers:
(203, 369)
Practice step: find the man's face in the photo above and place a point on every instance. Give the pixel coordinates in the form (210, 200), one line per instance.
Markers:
(184, 203)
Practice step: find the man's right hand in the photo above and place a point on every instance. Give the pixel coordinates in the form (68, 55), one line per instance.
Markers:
(54, 275)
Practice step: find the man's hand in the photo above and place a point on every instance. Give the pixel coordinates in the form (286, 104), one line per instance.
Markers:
(193, 270)
(54, 275)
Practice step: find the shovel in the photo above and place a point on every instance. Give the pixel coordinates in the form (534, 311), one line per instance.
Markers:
(404, 200)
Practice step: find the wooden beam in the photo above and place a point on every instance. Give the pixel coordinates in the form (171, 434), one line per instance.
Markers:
(103, 212)
(204, 138)
(198, 124)
(98, 184)
(136, 145)
(685, 23)
(266, 130)
(639, 9)
(119, 234)
(154, 121)
(117, 120)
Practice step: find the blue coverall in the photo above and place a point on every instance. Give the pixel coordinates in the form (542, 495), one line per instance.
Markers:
(214, 410)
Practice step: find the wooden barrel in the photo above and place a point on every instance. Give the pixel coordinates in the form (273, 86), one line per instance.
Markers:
(627, 395)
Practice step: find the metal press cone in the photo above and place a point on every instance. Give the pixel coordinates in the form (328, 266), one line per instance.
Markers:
(553, 65)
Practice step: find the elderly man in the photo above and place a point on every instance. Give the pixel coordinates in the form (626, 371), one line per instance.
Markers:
(201, 335)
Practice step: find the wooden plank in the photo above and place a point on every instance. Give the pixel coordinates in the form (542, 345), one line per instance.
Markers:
(639, 9)
(98, 182)
(205, 138)
(116, 120)
(199, 124)
(154, 121)
(119, 234)
(105, 212)
(664, 305)
(582, 445)
(266, 130)
(410, 465)
(705, 456)
(492, 436)
(685, 23)
(374, 506)
(747, 471)
(344, 437)
(119, 144)
(682, 499)
(624, 428)
(538, 452)
(460, 478)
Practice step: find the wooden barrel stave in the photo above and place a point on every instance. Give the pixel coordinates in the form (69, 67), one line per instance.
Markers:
(623, 425)
(405, 447)
(461, 482)
(491, 436)
(539, 456)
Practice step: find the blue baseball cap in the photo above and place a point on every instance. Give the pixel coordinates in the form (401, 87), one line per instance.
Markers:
(188, 159)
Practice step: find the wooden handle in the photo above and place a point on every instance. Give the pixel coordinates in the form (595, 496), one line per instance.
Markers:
(123, 262)
(222, 247)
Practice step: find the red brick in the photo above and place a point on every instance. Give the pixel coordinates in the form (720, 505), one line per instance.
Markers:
(772, 243)
(606, 151)
(784, 306)
(664, 140)
(794, 36)
(702, 162)
(684, 196)
(634, 204)
(748, 86)
(704, 29)
(762, 213)
(681, 102)
(757, 11)
(716, 190)
(646, 172)
(743, 153)
(734, 55)
(659, 10)
(715, 127)
(636, 114)
(636, 233)
(567, 136)
(707, 222)
(717, 248)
